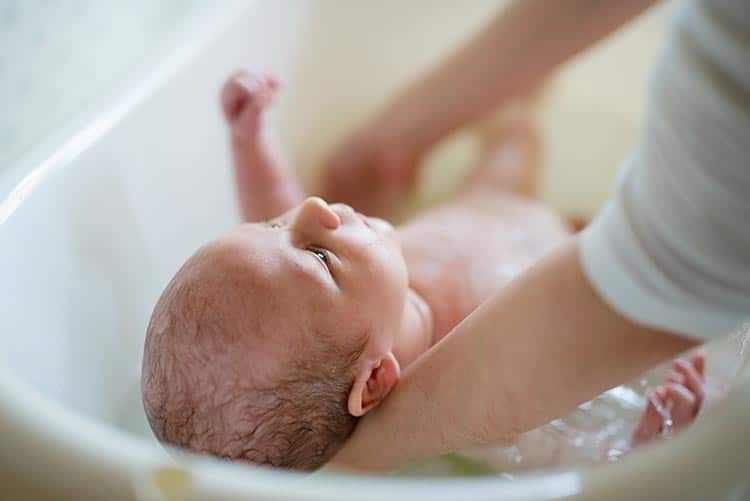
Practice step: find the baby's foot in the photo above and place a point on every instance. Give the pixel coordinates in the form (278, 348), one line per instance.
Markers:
(266, 185)
(681, 396)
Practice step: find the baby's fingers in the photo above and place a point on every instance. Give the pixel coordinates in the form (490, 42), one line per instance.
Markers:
(699, 362)
(248, 89)
(233, 98)
(650, 425)
(684, 404)
(693, 380)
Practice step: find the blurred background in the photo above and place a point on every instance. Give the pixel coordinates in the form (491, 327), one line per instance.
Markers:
(57, 56)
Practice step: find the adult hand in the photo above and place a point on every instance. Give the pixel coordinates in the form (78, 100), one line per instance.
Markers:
(372, 170)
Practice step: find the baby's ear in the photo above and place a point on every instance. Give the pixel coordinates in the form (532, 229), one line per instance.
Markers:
(372, 384)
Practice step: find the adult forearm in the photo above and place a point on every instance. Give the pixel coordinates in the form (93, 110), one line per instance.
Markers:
(545, 344)
(514, 51)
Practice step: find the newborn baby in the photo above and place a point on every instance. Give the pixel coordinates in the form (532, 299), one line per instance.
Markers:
(272, 340)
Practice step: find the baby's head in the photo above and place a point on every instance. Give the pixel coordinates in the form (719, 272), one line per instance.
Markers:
(272, 340)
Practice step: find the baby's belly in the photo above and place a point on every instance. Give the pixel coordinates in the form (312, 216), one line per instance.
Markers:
(460, 256)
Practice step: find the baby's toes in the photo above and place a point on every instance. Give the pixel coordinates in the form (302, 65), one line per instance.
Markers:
(684, 404)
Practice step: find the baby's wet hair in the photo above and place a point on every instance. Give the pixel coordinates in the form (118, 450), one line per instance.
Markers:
(295, 418)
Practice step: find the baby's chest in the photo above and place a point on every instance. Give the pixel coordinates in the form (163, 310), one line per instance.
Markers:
(457, 262)
(473, 263)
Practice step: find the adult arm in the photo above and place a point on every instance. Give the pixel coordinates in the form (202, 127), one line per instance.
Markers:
(517, 49)
(512, 54)
(669, 254)
(544, 344)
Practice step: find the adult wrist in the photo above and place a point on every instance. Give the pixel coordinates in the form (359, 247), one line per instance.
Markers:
(403, 131)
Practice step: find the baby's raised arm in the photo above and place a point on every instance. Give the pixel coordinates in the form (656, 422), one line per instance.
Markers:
(266, 185)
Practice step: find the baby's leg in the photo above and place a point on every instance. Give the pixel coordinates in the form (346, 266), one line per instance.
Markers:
(265, 184)
(682, 394)
(511, 153)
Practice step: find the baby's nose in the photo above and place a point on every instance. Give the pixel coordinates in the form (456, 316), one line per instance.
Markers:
(315, 213)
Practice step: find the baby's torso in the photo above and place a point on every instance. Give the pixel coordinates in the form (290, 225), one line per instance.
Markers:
(461, 253)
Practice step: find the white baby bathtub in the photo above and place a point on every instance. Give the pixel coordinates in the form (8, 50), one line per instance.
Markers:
(94, 223)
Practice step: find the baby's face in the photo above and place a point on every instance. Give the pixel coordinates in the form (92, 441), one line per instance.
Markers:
(336, 269)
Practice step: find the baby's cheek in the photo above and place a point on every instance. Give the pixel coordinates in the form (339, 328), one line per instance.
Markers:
(382, 277)
(395, 285)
